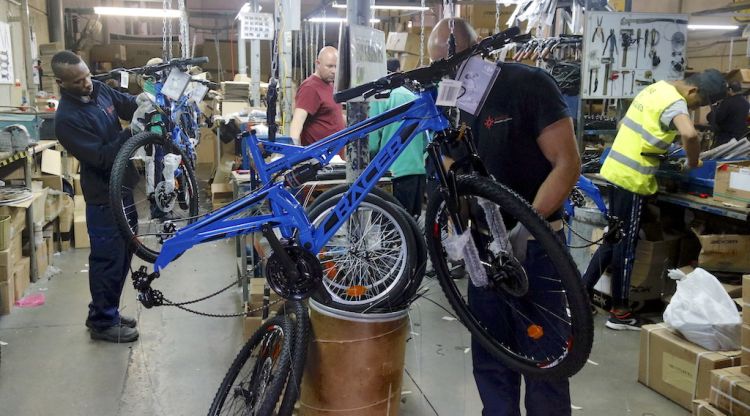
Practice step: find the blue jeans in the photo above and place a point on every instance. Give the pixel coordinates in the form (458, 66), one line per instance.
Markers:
(500, 387)
(109, 262)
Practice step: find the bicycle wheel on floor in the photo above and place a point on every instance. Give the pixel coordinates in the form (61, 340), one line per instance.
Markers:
(154, 181)
(369, 259)
(253, 384)
(534, 315)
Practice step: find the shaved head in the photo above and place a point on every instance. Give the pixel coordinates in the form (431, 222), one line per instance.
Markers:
(437, 44)
(325, 65)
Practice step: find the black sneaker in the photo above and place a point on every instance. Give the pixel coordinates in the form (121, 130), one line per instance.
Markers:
(116, 334)
(624, 322)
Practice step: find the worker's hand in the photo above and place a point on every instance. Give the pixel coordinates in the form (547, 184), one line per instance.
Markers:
(686, 166)
(519, 239)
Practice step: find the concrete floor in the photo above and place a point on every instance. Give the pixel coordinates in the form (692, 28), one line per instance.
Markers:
(50, 366)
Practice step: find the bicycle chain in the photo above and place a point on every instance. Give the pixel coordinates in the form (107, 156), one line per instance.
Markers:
(222, 315)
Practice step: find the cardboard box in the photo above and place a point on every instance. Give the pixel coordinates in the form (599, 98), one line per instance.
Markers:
(704, 408)
(402, 42)
(9, 257)
(732, 183)
(21, 276)
(677, 368)
(52, 163)
(108, 53)
(730, 391)
(257, 285)
(17, 218)
(745, 342)
(7, 296)
(742, 75)
(79, 206)
(725, 252)
(221, 194)
(5, 221)
(231, 107)
(80, 232)
(77, 184)
(42, 258)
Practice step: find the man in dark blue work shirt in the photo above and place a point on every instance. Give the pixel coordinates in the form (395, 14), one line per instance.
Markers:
(87, 123)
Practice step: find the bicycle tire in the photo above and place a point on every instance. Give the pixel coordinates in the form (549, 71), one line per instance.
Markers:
(420, 263)
(299, 356)
(576, 342)
(395, 279)
(117, 180)
(272, 390)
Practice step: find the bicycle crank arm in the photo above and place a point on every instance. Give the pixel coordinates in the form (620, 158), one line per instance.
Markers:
(286, 261)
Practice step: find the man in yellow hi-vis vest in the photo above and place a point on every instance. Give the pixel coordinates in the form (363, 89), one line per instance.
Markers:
(656, 116)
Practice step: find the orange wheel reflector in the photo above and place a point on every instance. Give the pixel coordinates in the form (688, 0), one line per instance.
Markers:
(535, 332)
(331, 269)
(356, 290)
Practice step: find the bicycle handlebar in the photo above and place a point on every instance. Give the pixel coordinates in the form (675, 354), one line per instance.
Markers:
(152, 69)
(433, 72)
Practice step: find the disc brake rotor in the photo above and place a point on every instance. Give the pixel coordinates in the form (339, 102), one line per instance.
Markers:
(164, 200)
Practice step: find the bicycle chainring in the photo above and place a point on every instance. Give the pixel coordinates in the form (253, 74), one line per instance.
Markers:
(309, 269)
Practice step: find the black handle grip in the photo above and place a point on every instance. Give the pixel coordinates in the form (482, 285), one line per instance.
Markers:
(197, 61)
(355, 92)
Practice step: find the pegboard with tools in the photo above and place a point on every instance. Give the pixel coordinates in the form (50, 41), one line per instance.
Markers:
(624, 52)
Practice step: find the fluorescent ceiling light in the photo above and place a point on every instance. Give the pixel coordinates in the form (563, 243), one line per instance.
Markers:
(334, 20)
(713, 27)
(136, 12)
(385, 7)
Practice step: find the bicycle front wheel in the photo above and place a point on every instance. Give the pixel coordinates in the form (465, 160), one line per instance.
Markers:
(153, 180)
(369, 259)
(534, 315)
(253, 384)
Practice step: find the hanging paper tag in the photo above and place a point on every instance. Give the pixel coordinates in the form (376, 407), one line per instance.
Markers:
(124, 79)
(477, 77)
(448, 91)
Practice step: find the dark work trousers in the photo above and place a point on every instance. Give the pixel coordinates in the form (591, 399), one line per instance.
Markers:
(109, 262)
(409, 191)
(500, 387)
(628, 207)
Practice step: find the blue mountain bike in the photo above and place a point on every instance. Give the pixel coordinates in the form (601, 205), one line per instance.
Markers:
(547, 326)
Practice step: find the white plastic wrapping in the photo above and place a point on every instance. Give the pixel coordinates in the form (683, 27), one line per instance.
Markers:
(702, 311)
(497, 227)
(462, 247)
(171, 163)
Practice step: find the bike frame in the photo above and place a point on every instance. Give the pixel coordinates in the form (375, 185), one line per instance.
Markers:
(420, 115)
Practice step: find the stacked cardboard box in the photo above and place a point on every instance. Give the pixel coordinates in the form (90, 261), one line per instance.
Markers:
(80, 232)
(221, 194)
(730, 391)
(704, 408)
(677, 368)
(46, 51)
(9, 259)
(254, 318)
(21, 277)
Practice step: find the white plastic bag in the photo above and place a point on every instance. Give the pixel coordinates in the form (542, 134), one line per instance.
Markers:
(702, 311)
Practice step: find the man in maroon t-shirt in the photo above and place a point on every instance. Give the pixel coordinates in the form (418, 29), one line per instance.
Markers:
(316, 115)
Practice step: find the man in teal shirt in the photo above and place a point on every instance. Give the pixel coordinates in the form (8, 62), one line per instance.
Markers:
(409, 176)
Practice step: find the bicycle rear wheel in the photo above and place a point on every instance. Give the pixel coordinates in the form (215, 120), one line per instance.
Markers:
(163, 199)
(533, 316)
(253, 384)
(369, 259)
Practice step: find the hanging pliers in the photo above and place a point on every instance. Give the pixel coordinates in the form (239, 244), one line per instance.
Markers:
(612, 42)
(598, 30)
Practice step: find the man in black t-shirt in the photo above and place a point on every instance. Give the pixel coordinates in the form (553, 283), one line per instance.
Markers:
(524, 135)
(729, 118)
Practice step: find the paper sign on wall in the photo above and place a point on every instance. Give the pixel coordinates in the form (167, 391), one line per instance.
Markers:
(6, 58)
(256, 26)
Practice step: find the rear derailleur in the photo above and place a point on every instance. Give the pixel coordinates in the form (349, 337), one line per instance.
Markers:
(142, 283)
